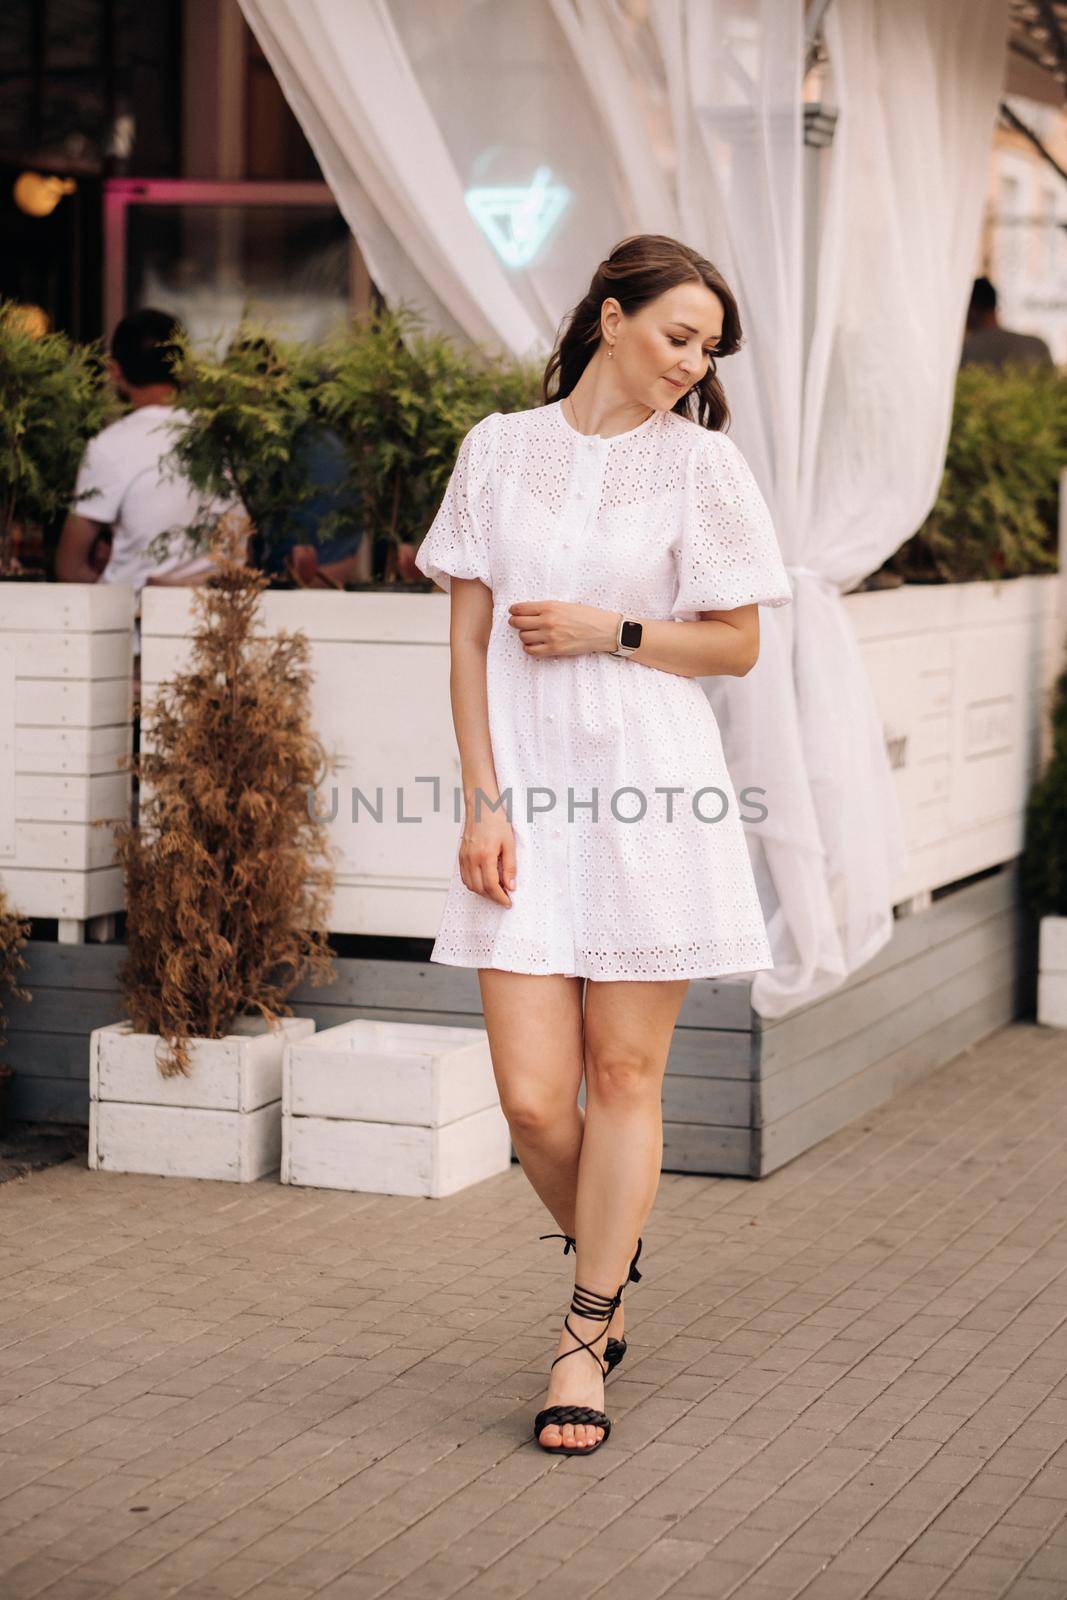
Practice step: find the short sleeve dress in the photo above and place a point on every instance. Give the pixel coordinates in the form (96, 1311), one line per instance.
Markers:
(631, 859)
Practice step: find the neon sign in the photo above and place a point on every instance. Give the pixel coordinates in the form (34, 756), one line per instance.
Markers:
(515, 220)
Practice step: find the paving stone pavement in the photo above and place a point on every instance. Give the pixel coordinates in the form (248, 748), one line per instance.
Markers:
(847, 1381)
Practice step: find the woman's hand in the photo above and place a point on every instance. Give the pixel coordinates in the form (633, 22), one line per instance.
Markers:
(562, 627)
(487, 854)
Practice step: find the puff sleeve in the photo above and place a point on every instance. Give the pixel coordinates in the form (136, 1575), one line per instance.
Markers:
(727, 553)
(457, 543)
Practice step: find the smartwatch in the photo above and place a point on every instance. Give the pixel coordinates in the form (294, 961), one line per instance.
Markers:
(628, 637)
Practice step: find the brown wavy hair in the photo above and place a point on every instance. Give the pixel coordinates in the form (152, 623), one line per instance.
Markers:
(638, 270)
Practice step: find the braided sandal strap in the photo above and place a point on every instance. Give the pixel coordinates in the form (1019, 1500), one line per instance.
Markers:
(563, 1414)
(570, 1244)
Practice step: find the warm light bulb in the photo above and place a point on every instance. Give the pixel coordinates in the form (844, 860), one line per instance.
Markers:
(38, 196)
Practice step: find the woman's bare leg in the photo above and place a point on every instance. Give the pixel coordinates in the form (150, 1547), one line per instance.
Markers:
(534, 1023)
(536, 1036)
(627, 1032)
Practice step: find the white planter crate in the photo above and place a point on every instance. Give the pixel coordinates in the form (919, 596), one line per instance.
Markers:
(392, 1108)
(1052, 972)
(222, 1121)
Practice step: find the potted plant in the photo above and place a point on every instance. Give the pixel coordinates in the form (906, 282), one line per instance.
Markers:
(14, 933)
(52, 399)
(228, 885)
(1043, 875)
(402, 399)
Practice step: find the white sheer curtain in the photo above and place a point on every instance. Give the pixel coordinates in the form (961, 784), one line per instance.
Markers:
(573, 122)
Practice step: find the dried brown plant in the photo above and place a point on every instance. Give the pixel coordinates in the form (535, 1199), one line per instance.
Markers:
(14, 933)
(228, 870)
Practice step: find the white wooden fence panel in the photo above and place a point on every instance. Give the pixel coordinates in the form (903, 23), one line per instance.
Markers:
(66, 664)
(959, 671)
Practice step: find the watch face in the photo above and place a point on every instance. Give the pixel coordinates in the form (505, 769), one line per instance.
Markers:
(631, 635)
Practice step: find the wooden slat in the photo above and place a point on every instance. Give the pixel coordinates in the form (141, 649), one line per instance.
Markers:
(72, 750)
(707, 1101)
(78, 703)
(72, 655)
(63, 846)
(711, 1053)
(707, 1152)
(66, 608)
(59, 797)
(75, 895)
(76, 1011)
(48, 1100)
(50, 1055)
(66, 967)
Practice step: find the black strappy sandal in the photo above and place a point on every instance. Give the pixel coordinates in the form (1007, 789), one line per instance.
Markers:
(597, 1307)
(615, 1349)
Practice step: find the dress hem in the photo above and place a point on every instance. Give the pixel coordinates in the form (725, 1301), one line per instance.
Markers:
(619, 977)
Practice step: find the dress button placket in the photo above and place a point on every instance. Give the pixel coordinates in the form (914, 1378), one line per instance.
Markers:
(586, 494)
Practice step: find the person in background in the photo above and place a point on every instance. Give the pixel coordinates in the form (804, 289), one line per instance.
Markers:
(291, 545)
(127, 492)
(987, 344)
(322, 455)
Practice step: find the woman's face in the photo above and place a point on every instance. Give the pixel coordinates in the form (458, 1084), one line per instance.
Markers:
(663, 350)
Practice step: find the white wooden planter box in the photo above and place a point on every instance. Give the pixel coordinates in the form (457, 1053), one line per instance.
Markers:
(66, 666)
(222, 1121)
(392, 1108)
(960, 674)
(1052, 972)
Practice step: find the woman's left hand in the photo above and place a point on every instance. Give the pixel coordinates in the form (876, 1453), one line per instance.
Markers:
(562, 627)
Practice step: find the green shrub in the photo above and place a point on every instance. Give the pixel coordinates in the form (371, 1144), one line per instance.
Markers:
(402, 400)
(997, 507)
(53, 397)
(1043, 870)
(250, 409)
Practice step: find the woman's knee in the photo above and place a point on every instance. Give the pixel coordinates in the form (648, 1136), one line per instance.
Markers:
(532, 1115)
(622, 1075)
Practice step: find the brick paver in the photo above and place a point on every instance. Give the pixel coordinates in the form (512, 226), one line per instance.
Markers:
(845, 1382)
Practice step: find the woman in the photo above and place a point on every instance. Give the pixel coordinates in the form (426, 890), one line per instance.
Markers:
(604, 551)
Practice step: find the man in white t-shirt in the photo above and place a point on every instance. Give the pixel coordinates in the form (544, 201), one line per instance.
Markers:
(126, 484)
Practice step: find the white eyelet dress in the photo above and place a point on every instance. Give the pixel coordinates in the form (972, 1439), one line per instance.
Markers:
(615, 877)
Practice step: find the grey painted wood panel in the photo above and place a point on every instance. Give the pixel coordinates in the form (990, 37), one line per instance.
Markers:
(39, 1099)
(708, 1101)
(712, 1052)
(804, 1029)
(715, 1152)
(72, 1010)
(781, 1141)
(50, 1055)
(911, 999)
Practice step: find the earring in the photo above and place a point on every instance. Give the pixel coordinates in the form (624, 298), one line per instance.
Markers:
(611, 351)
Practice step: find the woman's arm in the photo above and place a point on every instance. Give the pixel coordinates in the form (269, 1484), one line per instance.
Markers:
(721, 643)
(487, 849)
